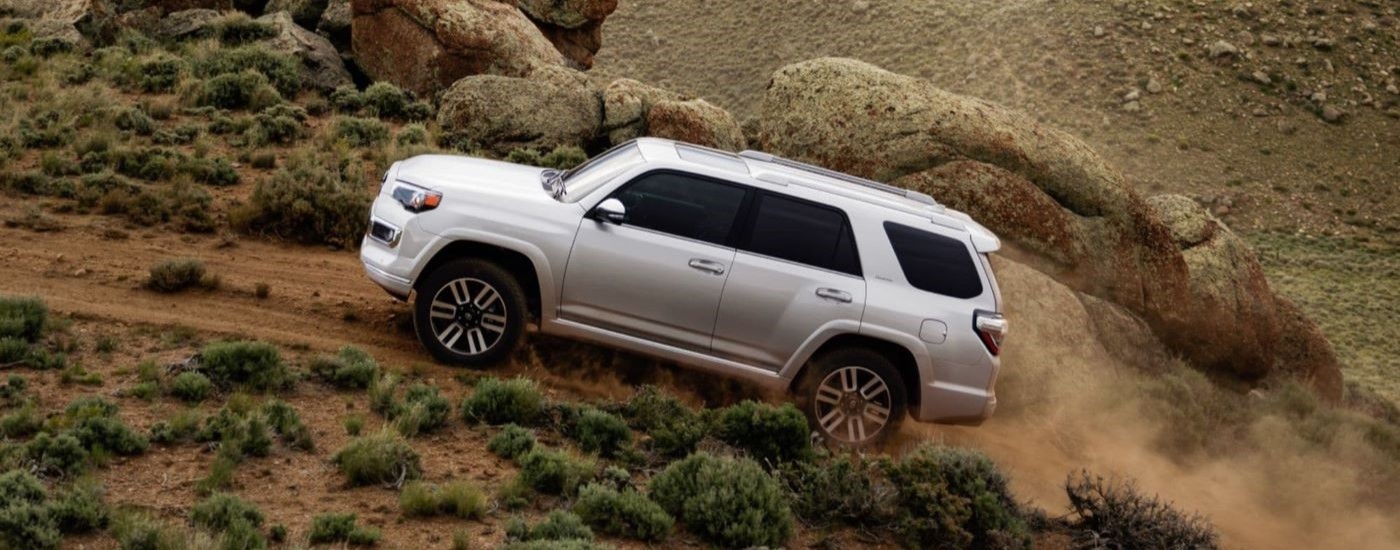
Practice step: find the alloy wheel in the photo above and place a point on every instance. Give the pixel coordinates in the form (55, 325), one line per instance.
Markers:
(852, 404)
(468, 316)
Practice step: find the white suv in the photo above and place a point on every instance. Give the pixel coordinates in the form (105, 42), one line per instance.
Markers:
(865, 300)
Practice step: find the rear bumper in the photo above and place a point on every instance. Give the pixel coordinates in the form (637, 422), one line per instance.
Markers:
(949, 404)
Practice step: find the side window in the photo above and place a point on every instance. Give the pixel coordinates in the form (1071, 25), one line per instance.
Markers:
(681, 205)
(803, 232)
(934, 263)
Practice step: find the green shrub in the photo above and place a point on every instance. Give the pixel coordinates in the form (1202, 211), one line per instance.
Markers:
(413, 134)
(211, 171)
(495, 402)
(512, 443)
(80, 508)
(76, 374)
(286, 422)
(220, 510)
(15, 384)
(159, 74)
(564, 157)
(557, 526)
(278, 533)
(347, 100)
(256, 365)
(1116, 512)
(45, 129)
(237, 28)
(62, 454)
(191, 387)
(602, 432)
(957, 496)
(625, 514)
(282, 71)
(360, 132)
(571, 544)
(674, 428)
(351, 368)
(140, 532)
(280, 124)
(21, 422)
(460, 499)
(381, 458)
(842, 489)
(248, 89)
(307, 201)
(25, 521)
(554, 472)
(13, 350)
(94, 422)
(385, 100)
(181, 426)
(354, 424)
(136, 121)
(176, 275)
(22, 317)
(728, 502)
(770, 434)
(327, 528)
(423, 410)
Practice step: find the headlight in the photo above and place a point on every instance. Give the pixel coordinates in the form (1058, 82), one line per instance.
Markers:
(414, 198)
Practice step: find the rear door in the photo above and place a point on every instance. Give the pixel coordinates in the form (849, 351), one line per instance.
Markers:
(659, 274)
(797, 270)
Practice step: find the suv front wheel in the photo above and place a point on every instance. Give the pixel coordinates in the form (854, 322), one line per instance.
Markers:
(853, 397)
(469, 312)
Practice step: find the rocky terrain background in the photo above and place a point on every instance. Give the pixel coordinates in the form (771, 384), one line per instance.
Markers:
(1153, 166)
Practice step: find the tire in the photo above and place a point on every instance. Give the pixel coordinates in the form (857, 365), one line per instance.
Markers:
(478, 331)
(824, 395)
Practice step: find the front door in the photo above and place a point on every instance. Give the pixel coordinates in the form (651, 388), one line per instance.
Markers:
(658, 274)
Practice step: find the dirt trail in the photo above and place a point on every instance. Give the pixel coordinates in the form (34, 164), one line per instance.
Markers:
(1061, 391)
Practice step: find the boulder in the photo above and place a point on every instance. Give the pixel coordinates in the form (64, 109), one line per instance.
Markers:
(578, 46)
(575, 27)
(570, 14)
(306, 13)
(1195, 283)
(322, 67)
(426, 45)
(61, 19)
(554, 106)
(695, 121)
(182, 24)
(632, 109)
(335, 23)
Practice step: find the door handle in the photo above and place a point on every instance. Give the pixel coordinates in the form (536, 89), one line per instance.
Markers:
(707, 266)
(833, 294)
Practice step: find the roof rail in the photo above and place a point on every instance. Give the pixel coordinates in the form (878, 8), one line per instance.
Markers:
(847, 178)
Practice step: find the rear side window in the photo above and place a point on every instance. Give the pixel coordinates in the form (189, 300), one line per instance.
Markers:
(803, 232)
(935, 263)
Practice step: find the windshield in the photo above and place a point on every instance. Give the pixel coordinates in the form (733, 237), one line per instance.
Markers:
(583, 179)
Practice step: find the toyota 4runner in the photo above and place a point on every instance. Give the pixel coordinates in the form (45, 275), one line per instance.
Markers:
(866, 301)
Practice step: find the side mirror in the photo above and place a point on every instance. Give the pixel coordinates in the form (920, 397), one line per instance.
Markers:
(610, 210)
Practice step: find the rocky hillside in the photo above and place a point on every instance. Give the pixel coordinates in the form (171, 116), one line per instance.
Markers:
(185, 156)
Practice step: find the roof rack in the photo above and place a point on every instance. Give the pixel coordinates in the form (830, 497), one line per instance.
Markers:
(847, 178)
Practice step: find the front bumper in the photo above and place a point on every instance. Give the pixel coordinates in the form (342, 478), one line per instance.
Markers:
(398, 287)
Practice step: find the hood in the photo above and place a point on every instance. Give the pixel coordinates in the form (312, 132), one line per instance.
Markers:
(452, 174)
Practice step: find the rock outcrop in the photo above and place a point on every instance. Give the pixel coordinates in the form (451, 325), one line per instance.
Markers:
(575, 27)
(65, 20)
(1196, 284)
(322, 67)
(555, 106)
(306, 13)
(426, 45)
(632, 109)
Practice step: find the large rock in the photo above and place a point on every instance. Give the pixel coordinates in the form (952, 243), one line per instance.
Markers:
(322, 67)
(575, 27)
(65, 19)
(632, 109)
(306, 13)
(1049, 194)
(182, 24)
(335, 23)
(426, 45)
(554, 107)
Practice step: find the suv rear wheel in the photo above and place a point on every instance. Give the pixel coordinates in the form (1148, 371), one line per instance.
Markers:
(469, 312)
(853, 397)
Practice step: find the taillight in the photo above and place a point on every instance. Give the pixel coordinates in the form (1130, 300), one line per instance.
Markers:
(991, 328)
